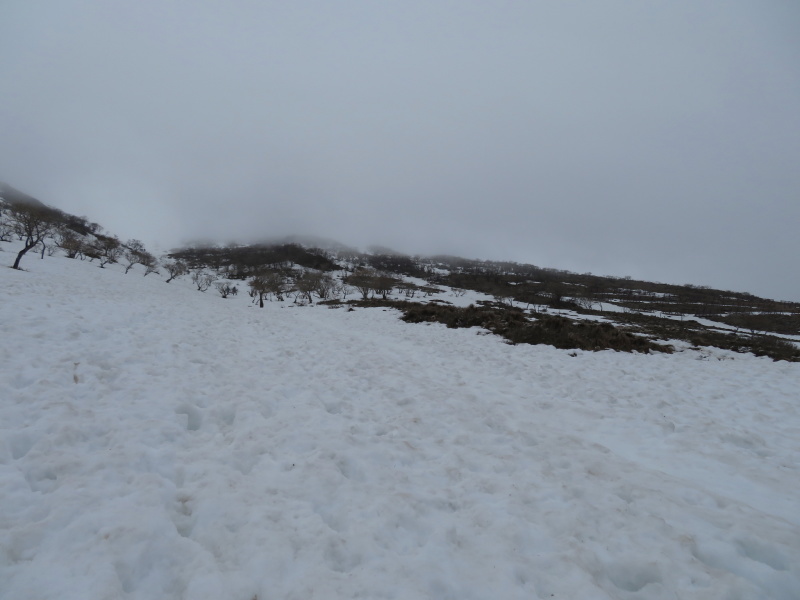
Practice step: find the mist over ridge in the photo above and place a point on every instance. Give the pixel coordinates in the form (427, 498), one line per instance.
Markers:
(653, 141)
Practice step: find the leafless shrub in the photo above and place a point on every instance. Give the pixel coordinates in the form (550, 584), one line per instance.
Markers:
(225, 289)
(202, 280)
(325, 286)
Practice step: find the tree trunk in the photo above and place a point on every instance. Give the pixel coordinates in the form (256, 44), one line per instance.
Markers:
(21, 254)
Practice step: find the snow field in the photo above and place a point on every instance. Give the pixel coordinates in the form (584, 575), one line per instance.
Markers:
(157, 442)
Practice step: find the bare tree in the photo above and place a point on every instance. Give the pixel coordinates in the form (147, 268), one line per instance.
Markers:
(32, 224)
(407, 288)
(342, 288)
(305, 284)
(266, 284)
(69, 241)
(149, 262)
(325, 286)
(363, 281)
(225, 289)
(108, 250)
(384, 284)
(5, 226)
(259, 288)
(586, 300)
(175, 269)
(133, 254)
(203, 280)
(90, 251)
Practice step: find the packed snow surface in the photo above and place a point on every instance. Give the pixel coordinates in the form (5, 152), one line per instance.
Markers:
(159, 442)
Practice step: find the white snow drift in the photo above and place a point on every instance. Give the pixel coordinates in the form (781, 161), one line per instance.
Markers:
(158, 442)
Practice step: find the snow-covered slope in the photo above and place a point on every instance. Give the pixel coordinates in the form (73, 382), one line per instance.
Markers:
(158, 442)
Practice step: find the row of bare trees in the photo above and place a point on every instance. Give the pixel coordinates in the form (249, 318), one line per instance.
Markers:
(304, 286)
(39, 225)
(106, 250)
(308, 284)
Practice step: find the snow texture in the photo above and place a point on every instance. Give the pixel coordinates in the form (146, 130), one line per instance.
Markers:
(159, 442)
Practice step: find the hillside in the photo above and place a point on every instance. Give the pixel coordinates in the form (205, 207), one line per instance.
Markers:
(522, 302)
(160, 442)
(527, 295)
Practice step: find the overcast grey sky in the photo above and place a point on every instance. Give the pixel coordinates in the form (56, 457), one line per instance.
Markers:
(659, 140)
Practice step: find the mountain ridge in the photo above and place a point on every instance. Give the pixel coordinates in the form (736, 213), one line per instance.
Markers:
(519, 299)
